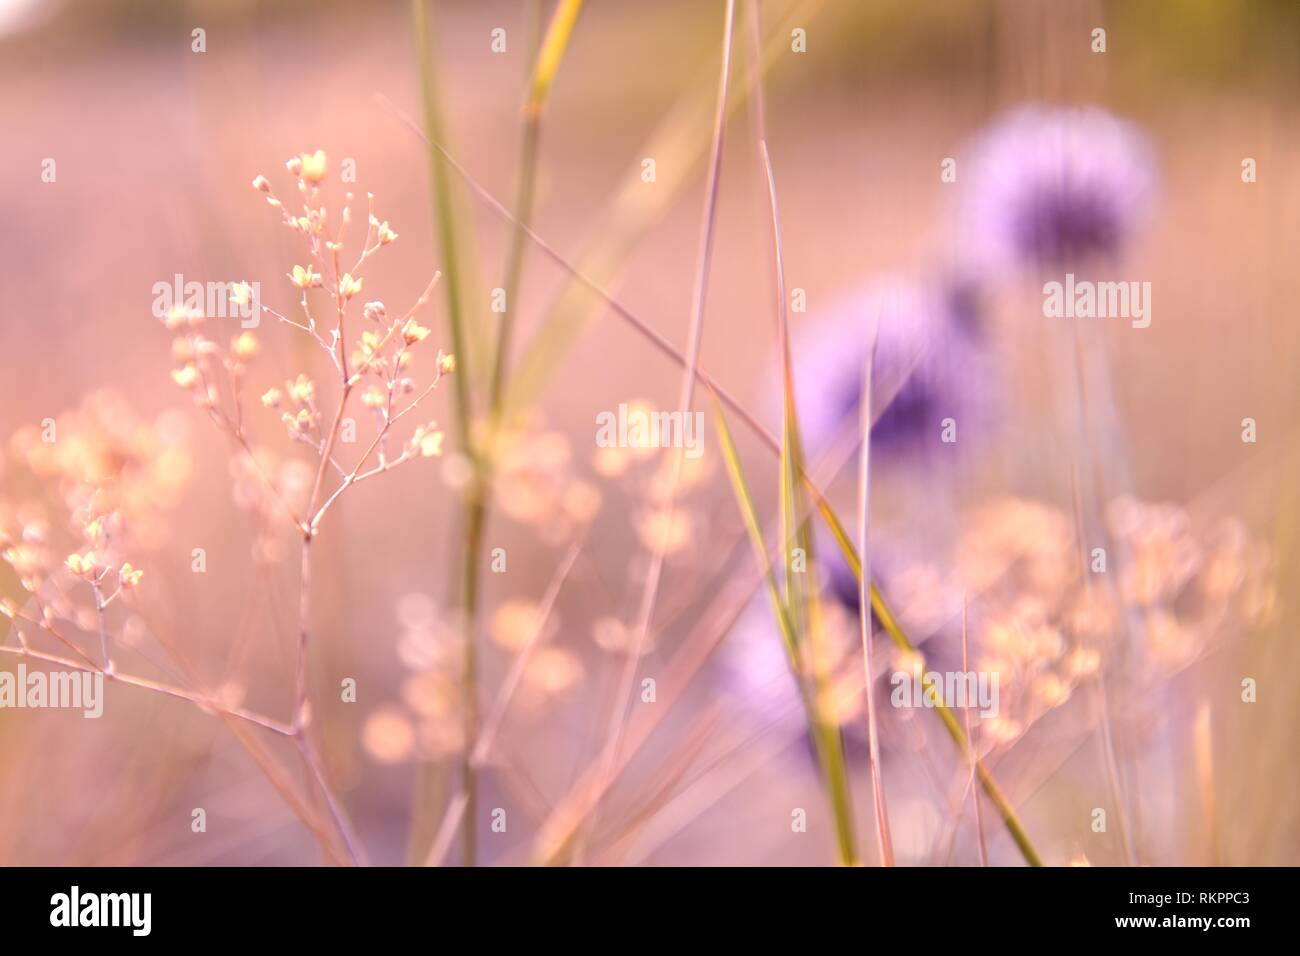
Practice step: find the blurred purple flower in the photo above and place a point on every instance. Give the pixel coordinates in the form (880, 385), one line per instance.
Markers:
(931, 364)
(1054, 187)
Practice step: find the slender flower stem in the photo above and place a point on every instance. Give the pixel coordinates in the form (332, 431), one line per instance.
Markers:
(300, 715)
(981, 843)
(202, 701)
(686, 394)
(883, 836)
(475, 523)
(337, 814)
(483, 745)
(102, 619)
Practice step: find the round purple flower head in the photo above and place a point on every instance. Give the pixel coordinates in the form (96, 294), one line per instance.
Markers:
(931, 363)
(1046, 187)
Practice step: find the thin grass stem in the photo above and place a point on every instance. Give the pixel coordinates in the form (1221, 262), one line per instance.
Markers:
(686, 394)
(884, 839)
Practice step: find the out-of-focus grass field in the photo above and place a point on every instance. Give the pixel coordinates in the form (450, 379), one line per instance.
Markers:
(155, 147)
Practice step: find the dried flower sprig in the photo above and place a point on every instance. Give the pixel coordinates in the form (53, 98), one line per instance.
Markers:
(380, 358)
(378, 362)
(102, 470)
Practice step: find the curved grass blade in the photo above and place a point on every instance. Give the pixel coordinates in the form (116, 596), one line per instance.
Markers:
(826, 739)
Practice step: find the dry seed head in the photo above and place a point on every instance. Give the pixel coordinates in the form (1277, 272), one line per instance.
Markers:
(186, 377)
(413, 332)
(304, 278)
(128, 576)
(553, 670)
(581, 501)
(1001, 729)
(668, 530)
(611, 462)
(95, 531)
(431, 444)
(299, 424)
(1083, 662)
(427, 441)
(177, 316)
(313, 167)
(81, 564)
(367, 348)
(300, 390)
(388, 735)
(514, 623)
(614, 636)
(244, 347)
(348, 286)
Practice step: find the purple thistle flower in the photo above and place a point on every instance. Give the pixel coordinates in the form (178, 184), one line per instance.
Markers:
(931, 363)
(1051, 187)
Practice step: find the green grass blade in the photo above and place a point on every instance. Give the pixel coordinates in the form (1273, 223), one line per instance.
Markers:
(755, 531)
(454, 248)
(679, 145)
(826, 737)
(547, 65)
(452, 244)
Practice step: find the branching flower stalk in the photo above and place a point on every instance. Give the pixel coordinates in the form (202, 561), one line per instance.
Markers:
(377, 365)
(94, 567)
